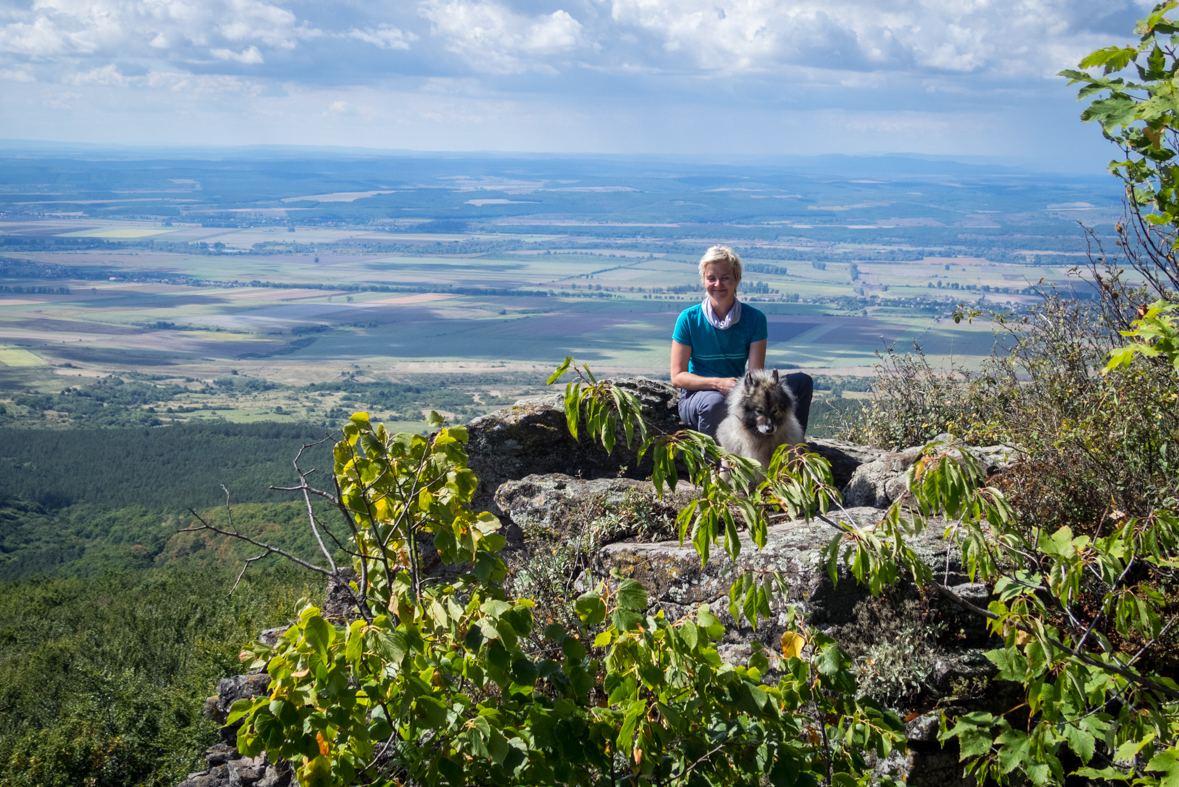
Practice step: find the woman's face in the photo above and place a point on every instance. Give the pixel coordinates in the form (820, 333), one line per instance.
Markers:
(719, 282)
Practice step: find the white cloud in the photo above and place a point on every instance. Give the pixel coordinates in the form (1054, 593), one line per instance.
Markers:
(121, 28)
(16, 75)
(385, 37)
(107, 75)
(40, 38)
(966, 36)
(491, 37)
(247, 56)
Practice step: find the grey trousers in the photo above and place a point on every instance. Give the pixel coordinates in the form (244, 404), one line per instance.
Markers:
(703, 411)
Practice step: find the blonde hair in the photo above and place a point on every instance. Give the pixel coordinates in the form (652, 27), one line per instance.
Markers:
(721, 254)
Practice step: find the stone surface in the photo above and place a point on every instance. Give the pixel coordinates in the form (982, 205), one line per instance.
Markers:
(340, 601)
(532, 437)
(925, 764)
(844, 457)
(229, 691)
(559, 506)
(878, 482)
(226, 766)
(677, 583)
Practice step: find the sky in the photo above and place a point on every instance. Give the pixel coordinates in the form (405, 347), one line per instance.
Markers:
(688, 78)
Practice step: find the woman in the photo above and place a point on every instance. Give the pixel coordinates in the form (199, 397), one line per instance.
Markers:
(714, 340)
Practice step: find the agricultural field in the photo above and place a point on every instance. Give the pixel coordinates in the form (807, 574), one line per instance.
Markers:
(322, 280)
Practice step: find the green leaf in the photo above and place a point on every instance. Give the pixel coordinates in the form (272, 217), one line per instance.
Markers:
(1111, 57)
(749, 607)
(431, 711)
(710, 623)
(355, 647)
(560, 371)
(626, 619)
(627, 733)
(1082, 743)
(1167, 762)
(451, 771)
(393, 646)
(572, 407)
(318, 634)
(434, 420)
(590, 608)
(1129, 750)
(632, 595)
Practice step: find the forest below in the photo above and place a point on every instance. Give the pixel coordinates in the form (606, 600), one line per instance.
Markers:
(114, 626)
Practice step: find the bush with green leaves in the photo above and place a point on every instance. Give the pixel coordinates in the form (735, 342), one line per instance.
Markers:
(434, 682)
(1080, 538)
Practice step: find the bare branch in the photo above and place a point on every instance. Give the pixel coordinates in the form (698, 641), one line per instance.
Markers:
(245, 566)
(270, 550)
(311, 513)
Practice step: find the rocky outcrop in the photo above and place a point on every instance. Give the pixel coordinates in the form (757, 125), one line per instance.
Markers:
(532, 438)
(225, 767)
(880, 480)
(676, 581)
(560, 507)
(553, 490)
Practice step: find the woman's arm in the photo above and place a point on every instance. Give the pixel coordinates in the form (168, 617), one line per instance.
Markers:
(682, 378)
(757, 355)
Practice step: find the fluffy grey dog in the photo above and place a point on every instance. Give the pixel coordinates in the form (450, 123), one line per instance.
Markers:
(761, 418)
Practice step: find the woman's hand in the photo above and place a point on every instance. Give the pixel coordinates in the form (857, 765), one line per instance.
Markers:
(723, 384)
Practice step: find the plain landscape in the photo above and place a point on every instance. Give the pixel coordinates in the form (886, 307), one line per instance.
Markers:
(482, 273)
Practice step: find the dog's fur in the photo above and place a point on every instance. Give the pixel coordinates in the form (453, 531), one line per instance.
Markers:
(761, 418)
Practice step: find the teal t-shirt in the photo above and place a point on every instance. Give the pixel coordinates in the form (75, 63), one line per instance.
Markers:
(719, 353)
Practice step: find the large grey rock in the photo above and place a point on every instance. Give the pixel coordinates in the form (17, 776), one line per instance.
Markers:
(229, 691)
(225, 766)
(877, 483)
(880, 481)
(532, 437)
(558, 506)
(673, 574)
(677, 582)
(844, 457)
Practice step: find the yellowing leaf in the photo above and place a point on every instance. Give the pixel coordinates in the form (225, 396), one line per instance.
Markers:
(792, 645)
(323, 746)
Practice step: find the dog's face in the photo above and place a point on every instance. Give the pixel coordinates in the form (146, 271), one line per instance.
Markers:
(765, 405)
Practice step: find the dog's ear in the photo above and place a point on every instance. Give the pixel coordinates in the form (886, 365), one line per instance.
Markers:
(749, 379)
(775, 376)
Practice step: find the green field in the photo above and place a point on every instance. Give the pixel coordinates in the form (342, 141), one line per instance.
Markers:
(488, 272)
(614, 311)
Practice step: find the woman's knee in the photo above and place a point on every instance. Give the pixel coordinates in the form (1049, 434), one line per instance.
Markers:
(802, 386)
(703, 411)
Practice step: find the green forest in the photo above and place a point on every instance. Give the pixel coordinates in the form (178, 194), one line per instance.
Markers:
(114, 626)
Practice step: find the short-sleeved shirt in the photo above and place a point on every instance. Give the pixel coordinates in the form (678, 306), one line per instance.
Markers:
(717, 353)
